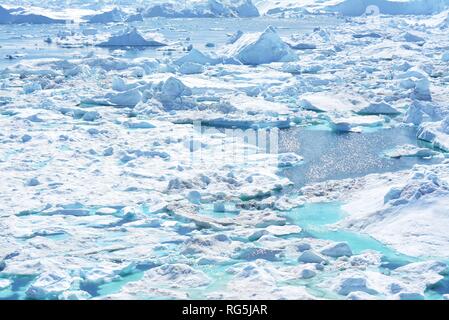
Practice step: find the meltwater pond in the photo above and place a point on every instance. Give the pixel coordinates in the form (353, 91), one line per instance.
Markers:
(330, 155)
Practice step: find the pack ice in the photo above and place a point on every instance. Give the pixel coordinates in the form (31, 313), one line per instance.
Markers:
(224, 149)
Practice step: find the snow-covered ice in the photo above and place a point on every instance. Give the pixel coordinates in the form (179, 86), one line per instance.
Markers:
(152, 152)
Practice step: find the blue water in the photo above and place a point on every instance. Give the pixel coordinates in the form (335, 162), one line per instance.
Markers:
(332, 156)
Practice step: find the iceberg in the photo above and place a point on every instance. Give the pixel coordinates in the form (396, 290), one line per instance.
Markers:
(437, 133)
(6, 17)
(379, 108)
(205, 9)
(130, 38)
(391, 7)
(261, 48)
(196, 56)
(115, 15)
(191, 68)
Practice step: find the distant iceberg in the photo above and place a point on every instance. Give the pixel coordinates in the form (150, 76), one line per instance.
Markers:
(208, 9)
(132, 38)
(115, 15)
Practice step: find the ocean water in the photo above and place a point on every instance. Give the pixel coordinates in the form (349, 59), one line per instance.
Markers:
(330, 155)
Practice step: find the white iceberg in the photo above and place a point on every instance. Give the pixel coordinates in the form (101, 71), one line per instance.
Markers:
(261, 48)
(131, 38)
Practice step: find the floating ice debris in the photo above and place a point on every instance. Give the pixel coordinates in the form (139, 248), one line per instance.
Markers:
(410, 151)
(173, 88)
(134, 18)
(288, 159)
(10, 17)
(410, 37)
(309, 256)
(191, 68)
(234, 37)
(354, 284)
(250, 254)
(205, 9)
(33, 182)
(91, 116)
(327, 102)
(25, 138)
(115, 15)
(196, 56)
(374, 7)
(5, 284)
(337, 250)
(219, 206)
(308, 273)
(261, 48)
(131, 38)
(436, 133)
(49, 285)
(379, 108)
(283, 230)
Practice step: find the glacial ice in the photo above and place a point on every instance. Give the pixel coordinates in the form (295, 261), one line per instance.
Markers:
(100, 197)
(266, 47)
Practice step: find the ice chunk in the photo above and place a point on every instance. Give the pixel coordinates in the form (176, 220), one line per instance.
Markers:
(246, 9)
(115, 15)
(307, 273)
(191, 68)
(194, 197)
(74, 295)
(445, 57)
(326, 102)
(410, 37)
(125, 99)
(175, 275)
(6, 17)
(353, 284)
(49, 285)
(283, 230)
(174, 88)
(289, 159)
(33, 182)
(436, 133)
(91, 116)
(337, 250)
(379, 108)
(250, 254)
(392, 7)
(422, 90)
(410, 151)
(310, 256)
(261, 48)
(132, 38)
(26, 138)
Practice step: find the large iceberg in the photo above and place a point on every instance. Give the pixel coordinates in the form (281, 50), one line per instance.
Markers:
(261, 48)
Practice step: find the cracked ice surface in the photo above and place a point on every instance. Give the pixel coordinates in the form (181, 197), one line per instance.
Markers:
(109, 190)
